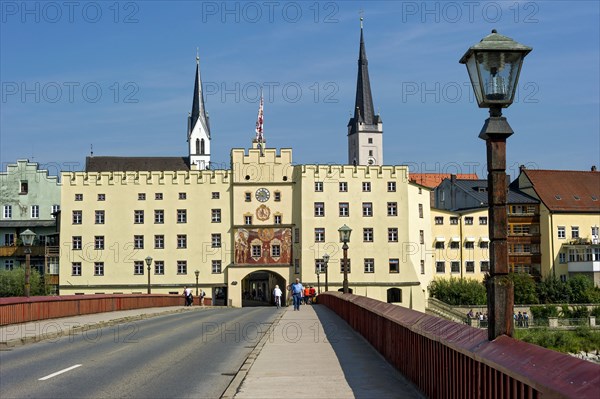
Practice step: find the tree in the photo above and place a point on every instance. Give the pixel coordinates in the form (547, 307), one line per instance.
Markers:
(12, 282)
(455, 291)
(525, 288)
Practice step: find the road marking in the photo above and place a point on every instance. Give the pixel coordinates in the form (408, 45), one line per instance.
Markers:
(59, 372)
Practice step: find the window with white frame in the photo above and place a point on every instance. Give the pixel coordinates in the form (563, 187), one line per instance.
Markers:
(574, 231)
(484, 266)
(319, 234)
(392, 234)
(343, 187)
(440, 267)
(277, 219)
(454, 245)
(98, 268)
(215, 195)
(562, 257)
(76, 269)
(215, 240)
(469, 245)
(367, 209)
(369, 265)
(256, 251)
(35, 211)
(275, 250)
(181, 241)
(98, 242)
(453, 220)
(484, 244)
(318, 186)
(366, 186)
(76, 243)
(394, 265)
(181, 267)
(159, 216)
(7, 211)
(138, 242)
(216, 267)
(344, 209)
(248, 219)
(182, 196)
(101, 197)
(78, 197)
(368, 234)
(248, 197)
(99, 217)
(77, 217)
(470, 266)
(158, 197)
(138, 267)
(420, 211)
(454, 267)
(391, 186)
(215, 216)
(181, 215)
(319, 209)
(55, 208)
(483, 220)
(159, 241)
(392, 209)
(159, 267)
(562, 232)
(468, 220)
(138, 216)
(141, 196)
(439, 245)
(319, 266)
(438, 220)
(277, 196)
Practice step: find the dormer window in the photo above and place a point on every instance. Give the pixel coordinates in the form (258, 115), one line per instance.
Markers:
(557, 196)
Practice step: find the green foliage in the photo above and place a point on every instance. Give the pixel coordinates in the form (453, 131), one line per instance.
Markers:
(552, 290)
(525, 288)
(12, 283)
(577, 312)
(577, 289)
(458, 291)
(595, 312)
(583, 338)
(543, 312)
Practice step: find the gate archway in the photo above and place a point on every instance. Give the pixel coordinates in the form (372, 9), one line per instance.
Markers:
(257, 288)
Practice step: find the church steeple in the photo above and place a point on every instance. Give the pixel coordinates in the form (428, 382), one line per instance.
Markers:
(198, 126)
(365, 129)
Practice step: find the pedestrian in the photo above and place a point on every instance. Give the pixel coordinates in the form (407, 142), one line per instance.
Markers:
(313, 294)
(519, 319)
(526, 319)
(297, 291)
(187, 294)
(306, 295)
(277, 296)
(202, 295)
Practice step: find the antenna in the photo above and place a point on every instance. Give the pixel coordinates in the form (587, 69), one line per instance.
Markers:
(197, 56)
(91, 150)
(361, 12)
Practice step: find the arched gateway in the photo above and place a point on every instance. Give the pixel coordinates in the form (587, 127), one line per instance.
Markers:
(257, 288)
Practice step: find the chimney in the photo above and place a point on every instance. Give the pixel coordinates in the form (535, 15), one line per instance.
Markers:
(522, 168)
(593, 168)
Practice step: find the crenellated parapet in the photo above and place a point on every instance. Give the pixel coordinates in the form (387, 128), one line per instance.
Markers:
(338, 172)
(266, 166)
(192, 177)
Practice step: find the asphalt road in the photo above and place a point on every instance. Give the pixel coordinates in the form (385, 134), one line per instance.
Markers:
(183, 355)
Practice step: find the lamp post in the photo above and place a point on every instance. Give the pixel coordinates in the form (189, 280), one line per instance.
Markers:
(345, 238)
(318, 272)
(197, 273)
(494, 65)
(326, 261)
(148, 263)
(27, 237)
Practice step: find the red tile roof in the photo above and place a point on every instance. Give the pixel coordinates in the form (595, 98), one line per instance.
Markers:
(433, 180)
(567, 190)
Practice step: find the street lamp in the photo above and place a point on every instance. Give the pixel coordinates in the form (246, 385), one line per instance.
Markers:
(197, 273)
(326, 261)
(27, 237)
(494, 65)
(318, 272)
(148, 263)
(345, 238)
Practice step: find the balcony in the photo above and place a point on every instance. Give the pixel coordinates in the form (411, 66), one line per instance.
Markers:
(14, 251)
(592, 266)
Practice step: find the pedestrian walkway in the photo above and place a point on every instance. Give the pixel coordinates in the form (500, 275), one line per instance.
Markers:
(19, 334)
(313, 353)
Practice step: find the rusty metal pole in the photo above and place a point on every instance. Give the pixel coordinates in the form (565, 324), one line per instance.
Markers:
(500, 290)
(27, 272)
(345, 283)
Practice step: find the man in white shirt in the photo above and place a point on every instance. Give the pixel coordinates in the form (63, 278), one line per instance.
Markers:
(277, 296)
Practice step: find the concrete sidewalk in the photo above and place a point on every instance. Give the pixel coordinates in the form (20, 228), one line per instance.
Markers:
(20, 334)
(313, 353)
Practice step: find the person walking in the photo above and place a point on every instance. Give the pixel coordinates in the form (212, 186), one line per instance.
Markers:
(297, 291)
(187, 293)
(277, 296)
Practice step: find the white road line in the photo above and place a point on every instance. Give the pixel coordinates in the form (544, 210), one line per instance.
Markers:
(59, 372)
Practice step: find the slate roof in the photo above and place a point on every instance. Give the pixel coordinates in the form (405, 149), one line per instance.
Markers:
(136, 164)
(478, 190)
(566, 190)
(432, 180)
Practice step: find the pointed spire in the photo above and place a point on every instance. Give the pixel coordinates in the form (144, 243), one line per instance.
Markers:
(198, 111)
(363, 107)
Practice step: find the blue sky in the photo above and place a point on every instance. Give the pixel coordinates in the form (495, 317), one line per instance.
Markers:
(120, 76)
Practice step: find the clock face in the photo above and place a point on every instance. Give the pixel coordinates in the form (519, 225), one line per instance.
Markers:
(262, 194)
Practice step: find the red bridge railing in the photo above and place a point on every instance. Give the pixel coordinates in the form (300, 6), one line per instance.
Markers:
(21, 310)
(450, 360)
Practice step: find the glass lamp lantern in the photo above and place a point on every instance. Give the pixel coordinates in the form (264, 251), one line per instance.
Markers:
(27, 236)
(345, 234)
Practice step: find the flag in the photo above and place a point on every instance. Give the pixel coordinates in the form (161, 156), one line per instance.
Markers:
(259, 120)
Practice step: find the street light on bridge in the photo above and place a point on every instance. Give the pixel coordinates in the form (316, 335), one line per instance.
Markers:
(27, 237)
(345, 238)
(494, 65)
(326, 261)
(148, 263)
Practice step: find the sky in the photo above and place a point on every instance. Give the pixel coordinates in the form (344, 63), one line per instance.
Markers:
(119, 76)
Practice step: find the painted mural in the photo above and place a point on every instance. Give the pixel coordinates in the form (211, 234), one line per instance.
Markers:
(263, 246)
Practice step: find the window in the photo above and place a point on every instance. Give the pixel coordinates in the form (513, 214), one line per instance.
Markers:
(275, 250)
(483, 220)
(421, 211)
(77, 217)
(296, 266)
(297, 235)
(394, 265)
(216, 216)
(391, 186)
(35, 211)
(319, 186)
(248, 197)
(159, 216)
(574, 231)
(247, 219)
(484, 265)
(256, 251)
(343, 187)
(595, 230)
(181, 215)
(319, 234)
(159, 241)
(367, 209)
(470, 266)
(421, 237)
(277, 219)
(344, 209)
(215, 195)
(141, 196)
(368, 234)
(215, 240)
(319, 266)
(277, 196)
(138, 217)
(9, 239)
(78, 197)
(101, 197)
(366, 186)
(468, 220)
(392, 209)
(484, 244)
(422, 267)
(7, 212)
(24, 187)
(54, 210)
(319, 209)
(99, 218)
(562, 257)
(469, 245)
(159, 267)
(562, 232)
(521, 228)
(393, 234)
(342, 265)
(453, 220)
(454, 267)
(370, 140)
(454, 245)
(438, 219)
(440, 267)
(182, 196)
(98, 268)
(138, 267)
(158, 197)
(181, 241)
(216, 267)
(76, 269)
(369, 265)
(98, 242)
(138, 242)
(181, 267)
(439, 245)
(76, 242)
